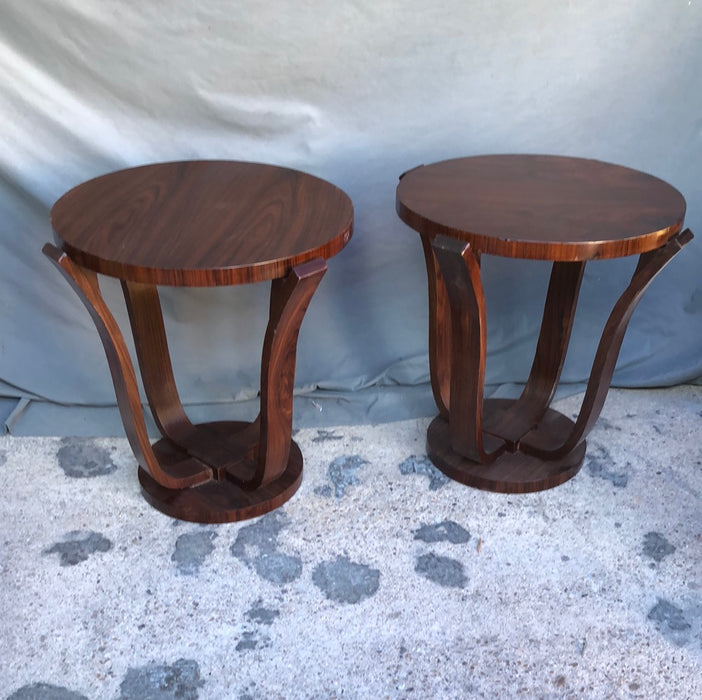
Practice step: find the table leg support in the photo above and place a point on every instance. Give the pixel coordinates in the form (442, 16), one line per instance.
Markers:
(213, 472)
(551, 349)
(183, 473)
(256, 466)
(544, 448)
(541, 444)
(439, 331)
(460, 270)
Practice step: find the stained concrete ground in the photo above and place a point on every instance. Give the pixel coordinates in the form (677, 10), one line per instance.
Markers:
(379, 579)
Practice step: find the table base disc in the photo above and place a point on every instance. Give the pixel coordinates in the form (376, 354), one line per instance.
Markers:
(511, 472)
(221, 501)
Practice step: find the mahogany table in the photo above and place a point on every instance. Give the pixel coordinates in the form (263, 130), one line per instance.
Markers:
(569, 211)
(201, 224)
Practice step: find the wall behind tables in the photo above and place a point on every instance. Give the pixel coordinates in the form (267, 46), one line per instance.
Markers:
(357, 93)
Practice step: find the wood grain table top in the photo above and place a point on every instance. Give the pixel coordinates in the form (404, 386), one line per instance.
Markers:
(201, 223)
(541, 207)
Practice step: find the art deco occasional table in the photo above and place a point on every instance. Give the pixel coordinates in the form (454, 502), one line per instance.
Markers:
(566, 210)
(201, 224)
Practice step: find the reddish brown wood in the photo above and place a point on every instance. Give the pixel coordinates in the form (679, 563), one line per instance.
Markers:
(439, 331)
(223, 500)
(568, 210)
(460, 270)
(151, 346)
(513, 472)
(556, 326)
(202, 223)
(85, 284)
(226, 452)
(290, 298)
(541, 207)
(649, 265)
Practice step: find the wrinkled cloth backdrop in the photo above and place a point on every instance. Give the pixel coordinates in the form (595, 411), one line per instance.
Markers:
(357, 93)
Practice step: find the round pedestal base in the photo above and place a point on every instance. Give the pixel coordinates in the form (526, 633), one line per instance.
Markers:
(511, 472)
(220, 501)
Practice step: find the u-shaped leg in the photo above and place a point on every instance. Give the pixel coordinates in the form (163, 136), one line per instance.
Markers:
(439, 331)
(213, 472)
(460, 270)
(550, 446)
(182, 473)
(556, 325)
(256, 466)
(543, 447)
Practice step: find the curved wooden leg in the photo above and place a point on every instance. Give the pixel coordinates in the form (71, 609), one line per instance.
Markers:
(182, 473)
(290, 298)
(214, 472)
(545, 448)
(551, 349)
(144, 308)
(256, 466)
(460, 269)
(218, 448)
(439, 331)
(650, 264)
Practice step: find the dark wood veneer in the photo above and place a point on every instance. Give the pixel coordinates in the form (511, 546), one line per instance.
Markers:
(569, 211)
(202, 223)
(541, 207)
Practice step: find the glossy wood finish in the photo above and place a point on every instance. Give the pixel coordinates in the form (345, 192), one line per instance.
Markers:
(649, 265)
(541, 207)
(439, 331)
(202, 223)
(515, 471)
(537, 207)
(235, 215)
(223, 499)
(460, 270)
(85, 284)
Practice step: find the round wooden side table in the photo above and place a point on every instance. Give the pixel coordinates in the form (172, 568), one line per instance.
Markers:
(569, 211)
(201, 224)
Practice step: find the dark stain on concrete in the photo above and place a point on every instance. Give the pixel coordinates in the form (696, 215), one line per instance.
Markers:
(446, 531)
(78, 545)
(327, 436)
(423, 465)
(82, 459)
(678, 626)
(191, 550)
(445, 571)
(262, 615)
(656, 546)
(605, 424)
(342, 473)
(248, 641)
(278, 568)
(256, 546)
(3, 457)
(344, 581)
(45, 691)
(161, 682)
(599, 465)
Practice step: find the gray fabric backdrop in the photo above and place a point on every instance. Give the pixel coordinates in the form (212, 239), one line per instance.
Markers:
(355, 92)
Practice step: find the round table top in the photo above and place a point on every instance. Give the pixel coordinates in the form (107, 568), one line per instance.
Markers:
(541, 207)
(202, 223)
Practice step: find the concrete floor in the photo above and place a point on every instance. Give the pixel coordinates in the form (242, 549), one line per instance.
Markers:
(380, 578)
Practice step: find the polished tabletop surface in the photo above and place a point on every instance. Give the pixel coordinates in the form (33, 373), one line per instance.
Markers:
(541, 207)
(201, 223)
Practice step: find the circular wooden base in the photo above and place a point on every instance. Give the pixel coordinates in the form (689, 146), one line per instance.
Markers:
(221, 501)
(511, 472)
